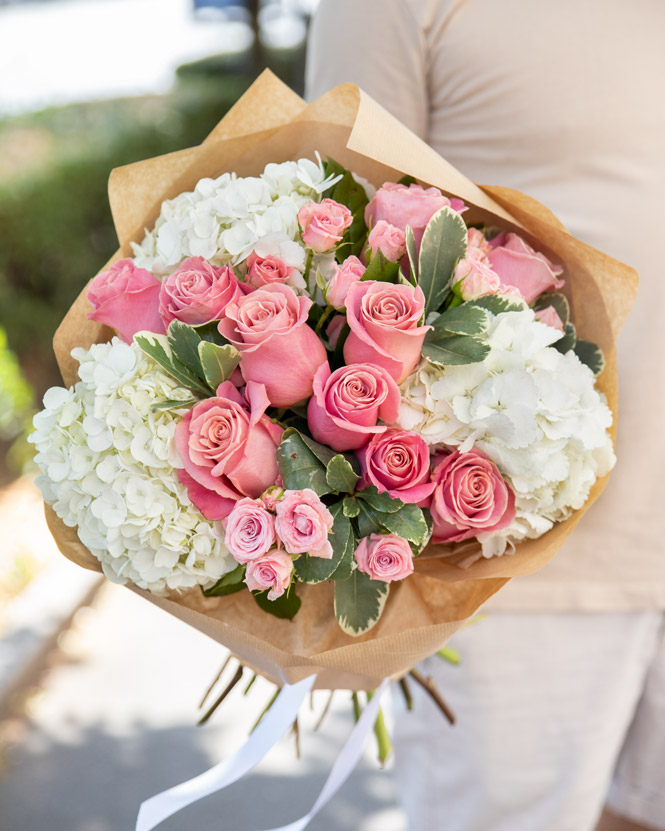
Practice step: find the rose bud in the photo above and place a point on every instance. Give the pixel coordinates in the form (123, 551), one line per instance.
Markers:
(397, 462)
(323, 224)
(348, 273)
(517, 264)
(250, 531)
(262, 271)
(477, 278)
(303, 524)
(387, 239)
(346, 405)
(384, 557)
(126, 298)
(272, 571)
(470, 497)
(385, 326)
(269, 329)
(197, 292)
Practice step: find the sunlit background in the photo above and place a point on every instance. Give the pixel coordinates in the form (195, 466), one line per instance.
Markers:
(99, 691)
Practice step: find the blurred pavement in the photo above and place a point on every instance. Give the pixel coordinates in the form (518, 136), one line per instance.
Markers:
(114, 722)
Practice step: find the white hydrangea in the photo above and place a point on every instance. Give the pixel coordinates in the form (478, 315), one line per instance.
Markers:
(224, 219)
(535, 412)
(108, 466)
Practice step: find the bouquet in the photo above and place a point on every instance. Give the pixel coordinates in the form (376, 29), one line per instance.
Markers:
(343, 385)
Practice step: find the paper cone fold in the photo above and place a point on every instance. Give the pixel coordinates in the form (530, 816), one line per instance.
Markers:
(271, 124)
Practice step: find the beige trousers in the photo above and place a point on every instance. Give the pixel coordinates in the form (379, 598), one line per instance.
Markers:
(558, 714)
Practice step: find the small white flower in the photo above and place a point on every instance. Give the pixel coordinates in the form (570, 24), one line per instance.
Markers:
(108, 465)
(535, 412)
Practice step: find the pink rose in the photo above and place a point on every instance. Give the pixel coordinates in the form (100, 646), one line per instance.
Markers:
(387, 239)
(346, 405)
(323, 224)
(250, 531)
(517, 264)
(550, 317)
(477, 278)
(272, 571)
(228, 449)
(477, 244)
(344, 277)
(303, 524)
(384, 557)
(470, 497)
(126, 298)
(385, 326)
(414, 206)
(397, 462)
(278, 348)
(197, 292)
(262, 271)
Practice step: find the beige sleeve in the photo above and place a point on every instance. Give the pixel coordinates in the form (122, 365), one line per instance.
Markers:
(376, 44)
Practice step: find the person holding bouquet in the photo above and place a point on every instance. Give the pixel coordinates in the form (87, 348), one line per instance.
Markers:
(558, 691)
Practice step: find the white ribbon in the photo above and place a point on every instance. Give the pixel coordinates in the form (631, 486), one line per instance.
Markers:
(270, 730)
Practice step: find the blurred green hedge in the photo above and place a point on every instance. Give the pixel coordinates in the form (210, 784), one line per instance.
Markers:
(55, 223)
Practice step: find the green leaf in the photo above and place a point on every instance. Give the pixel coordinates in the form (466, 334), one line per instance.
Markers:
(340, 475)
(409, 522)
(229, 584)
(359, 602)
(412, 251)
(184, 342)
(157, 347)
(381, 269)
(463, 320)
(590, 354)
(316, 569)
(443, 244)
(382, 502)
(350, 507)
(298, 465)
(368, 519)
(217, 362)
(558, 301)
(210, 332)
(352, 194)
(455, 350)
(498, 303)
(284, 607)
(568, 340)
(407, 180)
(172, 404)
(322, 452)
(347, 564)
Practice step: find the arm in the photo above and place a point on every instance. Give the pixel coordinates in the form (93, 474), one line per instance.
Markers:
(376, 44)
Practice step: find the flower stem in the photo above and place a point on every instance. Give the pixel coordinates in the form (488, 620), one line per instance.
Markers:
(430, 688)
(308, 265)
(265, 710)
(384, 745)
(215, 680)
(356, 705)
(323, 318)
(407, 693)
(325, 710)
(223, 695)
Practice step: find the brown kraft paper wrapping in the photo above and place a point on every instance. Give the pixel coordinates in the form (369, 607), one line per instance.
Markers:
(272, 124)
